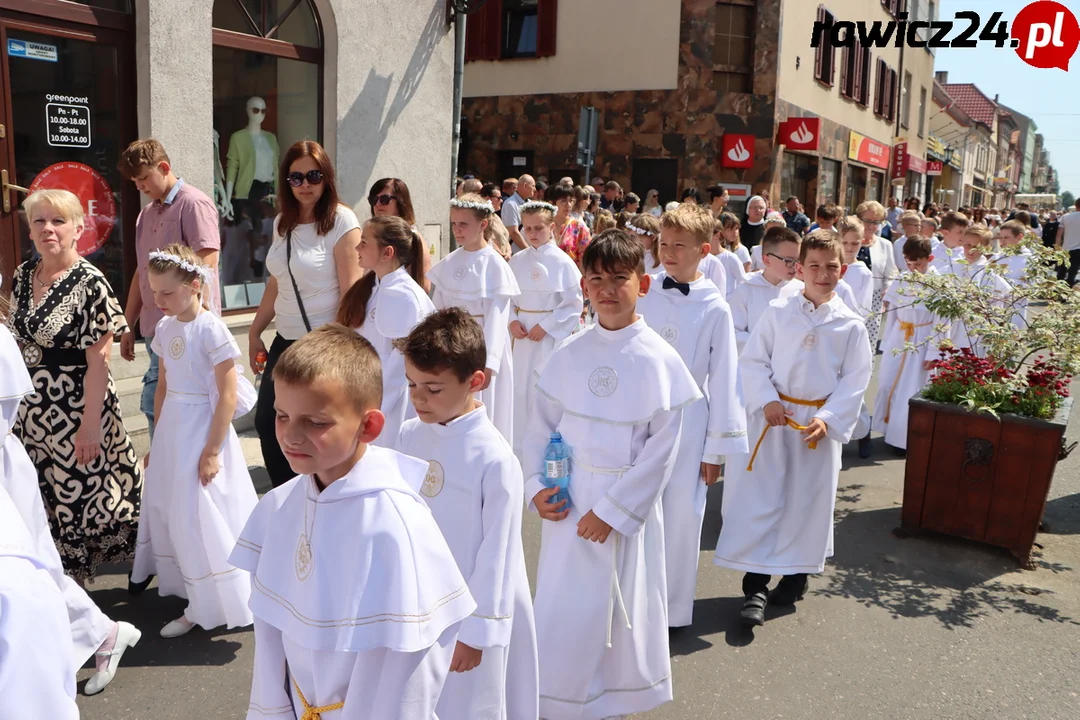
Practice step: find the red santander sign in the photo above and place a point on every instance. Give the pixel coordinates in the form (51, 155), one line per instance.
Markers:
(801, 133)
(737, 151)
(93, 192)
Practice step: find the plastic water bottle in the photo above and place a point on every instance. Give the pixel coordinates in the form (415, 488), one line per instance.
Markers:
(557, 469)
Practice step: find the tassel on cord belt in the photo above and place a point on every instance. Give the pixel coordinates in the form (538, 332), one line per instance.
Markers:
(909, 335)
(310, 712)
(615, 590)
(791, 423)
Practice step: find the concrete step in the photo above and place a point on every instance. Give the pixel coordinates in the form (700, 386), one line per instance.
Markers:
(127, 377)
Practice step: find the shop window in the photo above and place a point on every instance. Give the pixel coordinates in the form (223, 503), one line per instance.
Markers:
(830, 181)
(733, 48)
(825, 55)
(509, 29)
(267, 95)
(798, 172)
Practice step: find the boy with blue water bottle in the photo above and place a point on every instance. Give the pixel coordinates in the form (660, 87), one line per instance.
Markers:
(615, 392)
(474, 489)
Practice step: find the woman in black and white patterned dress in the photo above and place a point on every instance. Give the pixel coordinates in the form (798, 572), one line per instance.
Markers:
(65, 317)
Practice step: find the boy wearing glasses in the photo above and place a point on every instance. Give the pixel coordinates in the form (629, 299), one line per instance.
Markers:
(779, 255)
(804, 372)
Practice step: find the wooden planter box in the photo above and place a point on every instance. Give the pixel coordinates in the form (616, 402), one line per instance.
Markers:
(978, 477)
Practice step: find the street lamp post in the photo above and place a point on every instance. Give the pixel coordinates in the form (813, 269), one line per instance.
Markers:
(459, 9)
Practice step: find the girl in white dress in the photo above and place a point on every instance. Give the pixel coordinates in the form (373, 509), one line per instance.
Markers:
(195, 504)
(647, 229)
(385, 305)
(547, 310)
(476, 279)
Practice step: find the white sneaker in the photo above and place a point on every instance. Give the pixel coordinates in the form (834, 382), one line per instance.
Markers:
(179, 626)
(127, 635)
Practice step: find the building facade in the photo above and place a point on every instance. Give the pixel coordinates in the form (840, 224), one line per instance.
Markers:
(692, 92)
(83, 79)
(1026, 150)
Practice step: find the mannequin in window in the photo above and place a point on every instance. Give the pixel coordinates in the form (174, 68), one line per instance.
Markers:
(252, 161)
(221, 198)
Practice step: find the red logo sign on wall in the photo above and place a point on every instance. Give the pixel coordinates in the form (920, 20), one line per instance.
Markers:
(863, 149)
(737, 151)
(800, 133)
(934, 167)
(92, 190)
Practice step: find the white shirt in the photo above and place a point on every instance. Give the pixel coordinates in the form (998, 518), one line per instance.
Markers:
(264, 158)
(742, 253)
(1070, 226)
(315, 271)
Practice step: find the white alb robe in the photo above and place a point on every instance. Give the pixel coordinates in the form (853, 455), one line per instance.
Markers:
(699, 327)
(749, 301)
(1016, 274)
(978, 273)
(37, 670)
(733, 268)
(356, 596)
(397, 305)
(187, 530)
(711, 267)
(474, 488)
(948, 261)
(551, 297)
(861, 281)
(902, 375)
(778, 517)
(617, 397)
(757, 264)
(89, 625)
(482, 284)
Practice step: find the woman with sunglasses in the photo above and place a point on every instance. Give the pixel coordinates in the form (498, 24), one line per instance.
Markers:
(390, 196)
(311, 264)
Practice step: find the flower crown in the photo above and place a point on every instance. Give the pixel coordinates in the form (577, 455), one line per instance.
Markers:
(539, 205)
(472, 205)
(639, 231)
(201, 270)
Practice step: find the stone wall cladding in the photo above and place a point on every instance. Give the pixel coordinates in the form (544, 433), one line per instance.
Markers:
(685, 123)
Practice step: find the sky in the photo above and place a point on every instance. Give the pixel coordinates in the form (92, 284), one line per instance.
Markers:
(1049, 97)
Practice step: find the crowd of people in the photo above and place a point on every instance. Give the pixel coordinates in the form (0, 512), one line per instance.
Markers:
(406, 413)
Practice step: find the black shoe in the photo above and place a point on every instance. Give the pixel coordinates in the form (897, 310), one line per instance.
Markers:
(790, 590)
(753, 609)
(135, 588)
(866, 447)
(898, 452)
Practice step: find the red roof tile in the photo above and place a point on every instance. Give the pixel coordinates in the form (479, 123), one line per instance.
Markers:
(972, 101)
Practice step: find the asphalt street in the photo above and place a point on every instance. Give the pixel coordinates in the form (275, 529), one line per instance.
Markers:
(924, 627)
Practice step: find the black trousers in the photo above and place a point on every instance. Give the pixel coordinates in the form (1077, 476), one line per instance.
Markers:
(1069, 273)
(757, 583)
(277, 466)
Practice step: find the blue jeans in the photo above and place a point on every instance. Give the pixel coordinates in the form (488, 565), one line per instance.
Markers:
(149, 388)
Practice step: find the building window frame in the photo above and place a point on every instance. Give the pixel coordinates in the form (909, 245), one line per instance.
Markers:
(855, 73)
(739, 74)
(825, 54)
(488, 30)
(922, 111)
(905, 101)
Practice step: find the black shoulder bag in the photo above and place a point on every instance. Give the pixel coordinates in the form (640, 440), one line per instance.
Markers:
(296, 290)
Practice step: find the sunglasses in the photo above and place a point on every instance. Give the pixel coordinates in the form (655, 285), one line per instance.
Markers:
(382, 200)
(258, 111)
(296, 179)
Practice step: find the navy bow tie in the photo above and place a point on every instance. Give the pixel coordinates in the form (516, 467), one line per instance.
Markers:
(669, 283)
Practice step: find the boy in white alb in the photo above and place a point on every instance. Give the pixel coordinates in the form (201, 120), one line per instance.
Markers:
(858, 277)
(616, 392)
(548, 308)
(780, 252)
(356, 596)
(910, 226)
(949, 253)
(1011, 234)
(804, 372)
(474, 489)
(476, 279)
(905, 372)
(734, 270)
(688, 311)
(973, 268)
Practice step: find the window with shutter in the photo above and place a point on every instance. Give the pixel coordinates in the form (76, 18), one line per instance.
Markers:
(547, 22)
(880, 87)
(825, 55)
(733, 47)
(520, 23)
(864, 96)
(857, 66)
(483, 32)
(846, 75)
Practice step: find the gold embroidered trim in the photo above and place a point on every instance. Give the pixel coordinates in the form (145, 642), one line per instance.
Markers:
(605, 692)
(724, 435)
(624, 510)
(492, 617)
(281, 710)
(189, 579)
(248, 545)
(368, 620)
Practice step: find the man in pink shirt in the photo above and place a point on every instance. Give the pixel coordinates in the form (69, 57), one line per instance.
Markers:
(177, 213)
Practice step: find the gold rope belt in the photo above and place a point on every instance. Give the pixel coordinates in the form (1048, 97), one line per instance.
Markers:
(477, 317)
(532, 312)
(791, 424)
(314, 713)
(909, 334)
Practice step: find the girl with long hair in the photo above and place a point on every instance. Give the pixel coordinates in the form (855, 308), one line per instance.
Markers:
(391, 197)
(385, 305)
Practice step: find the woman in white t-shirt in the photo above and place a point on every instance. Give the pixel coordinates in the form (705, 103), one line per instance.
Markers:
(314, 253)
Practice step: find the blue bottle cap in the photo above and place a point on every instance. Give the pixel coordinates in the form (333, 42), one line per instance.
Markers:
(556, 436)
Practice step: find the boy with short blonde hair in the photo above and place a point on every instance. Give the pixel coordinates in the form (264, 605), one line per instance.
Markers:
(973, 267)
(326, 638)
(949, 253)
(693, 220)
(910, 224)
(804, 371)
(693, 317)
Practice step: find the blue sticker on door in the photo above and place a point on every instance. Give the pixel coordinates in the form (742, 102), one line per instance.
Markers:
(31, 50)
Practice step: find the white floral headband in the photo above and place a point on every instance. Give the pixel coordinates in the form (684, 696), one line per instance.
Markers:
(200, 270)
(639, 231)
(538, 205)
(472, 205)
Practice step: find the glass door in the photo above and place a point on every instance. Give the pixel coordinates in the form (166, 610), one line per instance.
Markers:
(66, 105)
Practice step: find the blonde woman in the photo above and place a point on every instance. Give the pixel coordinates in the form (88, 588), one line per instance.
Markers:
(652, 204)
